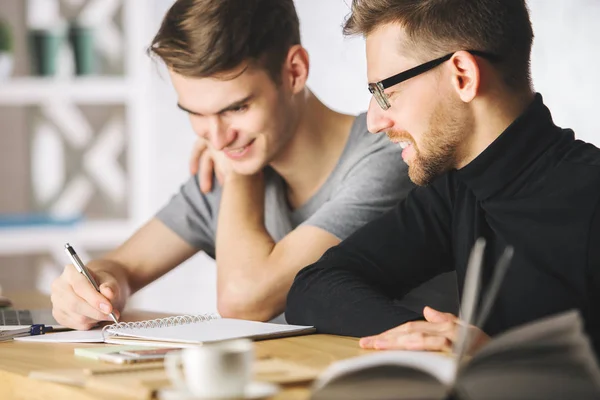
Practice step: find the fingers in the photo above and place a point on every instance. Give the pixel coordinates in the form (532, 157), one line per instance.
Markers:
(72, 311)
(112, 293)
(197, 151)
(414, 341)
(82, 288)
(438, 333)
(207, 168)
(80, 323)
(435, 316)
(417, 341)
(220, 177)
(420, 326)
(414, 335)
(77, 304)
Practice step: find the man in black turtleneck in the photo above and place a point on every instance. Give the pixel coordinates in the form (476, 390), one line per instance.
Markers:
(489, 163)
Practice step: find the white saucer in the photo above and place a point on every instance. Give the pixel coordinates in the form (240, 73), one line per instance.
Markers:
(254, 391)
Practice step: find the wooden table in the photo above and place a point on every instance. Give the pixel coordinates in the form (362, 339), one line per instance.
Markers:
(18, 359)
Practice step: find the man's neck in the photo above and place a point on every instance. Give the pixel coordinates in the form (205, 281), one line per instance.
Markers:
(314, 149)
(493, 114)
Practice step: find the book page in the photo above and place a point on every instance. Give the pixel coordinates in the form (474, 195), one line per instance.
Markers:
(470, 323)
(469, 298)
(388, 375)
(440, 365)
(547, 359)
(538, 334)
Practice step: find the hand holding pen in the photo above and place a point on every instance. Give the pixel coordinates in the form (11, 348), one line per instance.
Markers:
(83, 270)
(82, 297)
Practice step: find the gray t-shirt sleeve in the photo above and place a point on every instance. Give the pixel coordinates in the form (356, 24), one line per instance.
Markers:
(192, 215)
(370, 187)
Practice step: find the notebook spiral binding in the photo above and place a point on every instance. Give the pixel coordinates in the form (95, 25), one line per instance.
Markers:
(160, 322)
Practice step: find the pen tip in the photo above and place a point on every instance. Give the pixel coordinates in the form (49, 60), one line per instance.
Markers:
(67, 245)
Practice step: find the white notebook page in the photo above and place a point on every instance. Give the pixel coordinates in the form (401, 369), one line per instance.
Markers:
(209, 331)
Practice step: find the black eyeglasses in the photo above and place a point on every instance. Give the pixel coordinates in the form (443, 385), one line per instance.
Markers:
(377, 88)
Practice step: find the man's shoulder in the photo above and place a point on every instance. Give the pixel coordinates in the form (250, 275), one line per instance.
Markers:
(575, 158)
(582, 153)
(579, 160)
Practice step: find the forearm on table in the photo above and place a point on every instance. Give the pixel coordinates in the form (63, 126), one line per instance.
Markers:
(244, 252)
(338, 301)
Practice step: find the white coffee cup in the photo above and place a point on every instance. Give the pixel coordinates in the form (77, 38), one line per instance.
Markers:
(216, 370)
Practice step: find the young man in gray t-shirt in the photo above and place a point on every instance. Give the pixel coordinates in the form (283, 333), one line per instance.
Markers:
(297, 177)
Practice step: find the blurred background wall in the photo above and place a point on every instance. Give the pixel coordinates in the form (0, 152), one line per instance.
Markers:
(103, 150)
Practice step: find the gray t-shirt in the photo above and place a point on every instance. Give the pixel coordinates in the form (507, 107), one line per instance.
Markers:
(369, 179)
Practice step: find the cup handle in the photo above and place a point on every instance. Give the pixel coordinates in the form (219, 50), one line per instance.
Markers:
(172, 363)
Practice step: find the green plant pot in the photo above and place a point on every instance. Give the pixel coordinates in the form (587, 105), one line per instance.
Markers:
(6, 37)
(82, 41)
(44, 46)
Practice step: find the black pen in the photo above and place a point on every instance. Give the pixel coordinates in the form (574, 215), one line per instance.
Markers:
(83, 270)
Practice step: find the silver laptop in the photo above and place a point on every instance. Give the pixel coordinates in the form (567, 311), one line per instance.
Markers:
(14, 319)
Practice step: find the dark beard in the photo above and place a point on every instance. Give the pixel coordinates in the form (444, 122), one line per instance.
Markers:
(440, 144)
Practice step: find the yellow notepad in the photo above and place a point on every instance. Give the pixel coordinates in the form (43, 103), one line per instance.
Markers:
(95, 352)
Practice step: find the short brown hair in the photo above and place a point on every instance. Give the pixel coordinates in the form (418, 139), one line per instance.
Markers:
(437, 27)
(202, 38)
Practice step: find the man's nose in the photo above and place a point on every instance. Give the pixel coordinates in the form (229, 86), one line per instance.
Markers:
(377, 119)
(218, 134)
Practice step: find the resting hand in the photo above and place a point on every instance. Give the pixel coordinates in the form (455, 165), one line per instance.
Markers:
(205, 161)
(437, 333)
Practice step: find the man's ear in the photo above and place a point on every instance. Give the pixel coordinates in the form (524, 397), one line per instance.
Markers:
(466, 75)
(295, 69)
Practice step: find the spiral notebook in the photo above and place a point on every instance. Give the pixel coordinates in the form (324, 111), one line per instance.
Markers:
(188, 330)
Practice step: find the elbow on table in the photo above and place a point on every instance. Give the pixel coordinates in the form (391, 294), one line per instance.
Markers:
(297, 306)
(234, 305)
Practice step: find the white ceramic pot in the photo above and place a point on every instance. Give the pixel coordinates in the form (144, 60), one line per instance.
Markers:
(6, 65)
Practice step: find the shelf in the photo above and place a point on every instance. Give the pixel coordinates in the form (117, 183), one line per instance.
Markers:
(91, 235)
(25, 91)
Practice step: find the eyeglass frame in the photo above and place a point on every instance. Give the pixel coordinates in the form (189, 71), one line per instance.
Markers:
(377, 88)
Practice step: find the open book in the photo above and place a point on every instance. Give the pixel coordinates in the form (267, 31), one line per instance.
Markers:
(546, 359)
(185, 331)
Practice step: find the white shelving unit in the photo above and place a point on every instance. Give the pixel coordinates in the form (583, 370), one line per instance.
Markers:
(92, 90)
(39, 239)
(130, 90)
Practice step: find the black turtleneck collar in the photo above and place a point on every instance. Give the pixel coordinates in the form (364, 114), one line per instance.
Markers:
(516, 148)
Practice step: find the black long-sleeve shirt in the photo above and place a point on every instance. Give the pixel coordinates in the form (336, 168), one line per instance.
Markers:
(535, 188)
